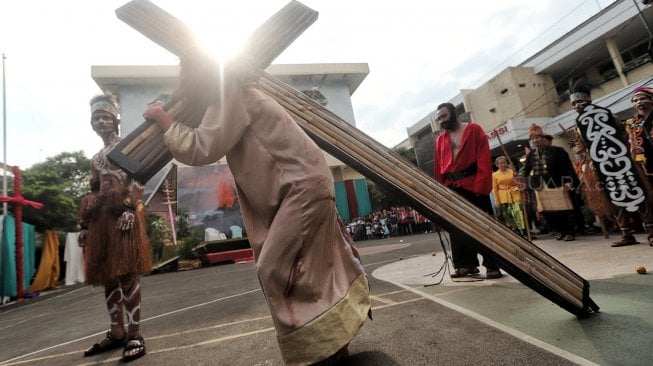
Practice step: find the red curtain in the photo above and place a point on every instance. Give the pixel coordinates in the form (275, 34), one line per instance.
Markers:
(351, 199)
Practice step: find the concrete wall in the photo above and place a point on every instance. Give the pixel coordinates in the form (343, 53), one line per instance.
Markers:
(337, 96)
(134, 99)
(514, 92)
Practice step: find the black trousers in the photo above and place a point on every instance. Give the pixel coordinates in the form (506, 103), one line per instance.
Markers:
(561, 221)
(462, 254)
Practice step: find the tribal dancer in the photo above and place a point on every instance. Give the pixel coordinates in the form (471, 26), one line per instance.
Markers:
(591, 186)
(116, 248)
(640, 134)
(618, 160)
(311, 274)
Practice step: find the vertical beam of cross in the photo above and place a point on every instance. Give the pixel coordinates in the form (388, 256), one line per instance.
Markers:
(19, 201)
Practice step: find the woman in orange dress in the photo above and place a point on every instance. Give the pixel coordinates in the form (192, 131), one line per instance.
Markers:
(507, 197)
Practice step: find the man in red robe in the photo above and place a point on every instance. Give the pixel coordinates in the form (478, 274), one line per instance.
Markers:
(463, 163)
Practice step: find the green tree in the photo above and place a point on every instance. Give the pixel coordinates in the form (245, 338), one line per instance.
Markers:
(183, 223)
(191, 241)
(382, 198)
(407, 153)
(59, 183)
(157, 233)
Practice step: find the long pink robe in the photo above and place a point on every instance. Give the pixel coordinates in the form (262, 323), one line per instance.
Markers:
(314, 284)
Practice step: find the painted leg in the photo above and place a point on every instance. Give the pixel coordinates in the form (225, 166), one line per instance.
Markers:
(115, 337)
(135, 344)
(131, 292)
(113, 296)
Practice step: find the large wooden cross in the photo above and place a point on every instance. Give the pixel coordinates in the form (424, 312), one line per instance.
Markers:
(519, 257)
(19, 201)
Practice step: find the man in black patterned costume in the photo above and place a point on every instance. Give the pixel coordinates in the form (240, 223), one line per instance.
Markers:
(591, 186)
(116, 249)
(614, 153)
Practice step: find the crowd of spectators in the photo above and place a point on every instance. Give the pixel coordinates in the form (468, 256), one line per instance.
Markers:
(394, 221)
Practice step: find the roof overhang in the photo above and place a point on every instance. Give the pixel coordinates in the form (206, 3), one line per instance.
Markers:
(109, 75)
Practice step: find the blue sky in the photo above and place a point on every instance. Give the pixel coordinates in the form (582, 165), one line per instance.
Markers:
(420, 53)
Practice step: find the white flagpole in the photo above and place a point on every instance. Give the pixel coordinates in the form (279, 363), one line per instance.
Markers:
(4, 135)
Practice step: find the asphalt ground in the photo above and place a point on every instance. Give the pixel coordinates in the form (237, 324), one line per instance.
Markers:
(217, 315)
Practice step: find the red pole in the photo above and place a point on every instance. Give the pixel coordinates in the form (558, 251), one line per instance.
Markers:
(18, 212)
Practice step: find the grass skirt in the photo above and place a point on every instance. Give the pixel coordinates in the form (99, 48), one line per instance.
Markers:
(109, 252)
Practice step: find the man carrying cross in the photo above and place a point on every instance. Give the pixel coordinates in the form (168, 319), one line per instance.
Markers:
(311, 275)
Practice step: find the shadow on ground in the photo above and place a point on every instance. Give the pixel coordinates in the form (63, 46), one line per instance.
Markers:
(370, 358)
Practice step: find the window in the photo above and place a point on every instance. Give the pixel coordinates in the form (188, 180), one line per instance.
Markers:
(424, 133)
(607, 71)
(632, 57)
(564, 86)
(636, 56)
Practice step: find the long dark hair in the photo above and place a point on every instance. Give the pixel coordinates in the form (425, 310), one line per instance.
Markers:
(452, 110)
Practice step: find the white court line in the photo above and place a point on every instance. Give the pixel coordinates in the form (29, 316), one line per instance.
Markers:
(45, 301)
(514, 332)
(151, 352)
(382, 262)
(148, 319)
(193, 345)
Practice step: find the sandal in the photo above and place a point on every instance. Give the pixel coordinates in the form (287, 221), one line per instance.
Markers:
(462, 272)
(625, 240)
(133, 343)
(107, 344)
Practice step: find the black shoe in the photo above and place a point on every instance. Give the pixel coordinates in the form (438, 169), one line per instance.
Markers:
(493, 273)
